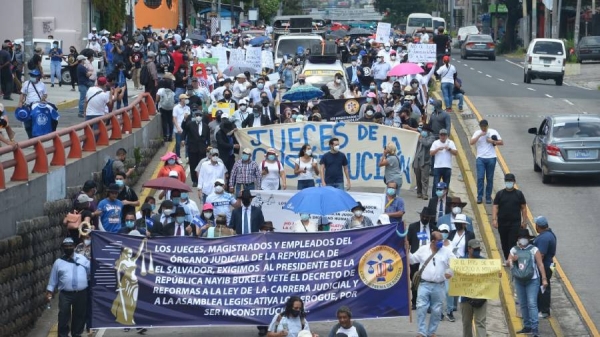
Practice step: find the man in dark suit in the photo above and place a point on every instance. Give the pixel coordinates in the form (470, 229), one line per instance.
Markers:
(266, 115)
(354, 73)
(180, 227)
(441, 203)
(197, 134)
(419, 234)
(246, 219)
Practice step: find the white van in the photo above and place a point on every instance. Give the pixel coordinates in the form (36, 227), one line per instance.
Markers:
(437, 22)
(321, 70)
(545, 60)
(288, 45)
(417, 20)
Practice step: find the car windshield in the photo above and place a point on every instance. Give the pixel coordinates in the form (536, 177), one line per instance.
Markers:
(548, 48)
(590, 41)
(576, 129)
(438, 23)
(479, 38)
(419, 22)
(291, 46)
(318, 78)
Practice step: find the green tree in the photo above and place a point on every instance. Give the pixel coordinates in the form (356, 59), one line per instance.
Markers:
(292, 7)
(112, 14)
(400, 10)
(268, 9)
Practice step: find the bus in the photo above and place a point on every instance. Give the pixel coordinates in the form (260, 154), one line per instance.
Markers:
(437, 22)
(417, 20)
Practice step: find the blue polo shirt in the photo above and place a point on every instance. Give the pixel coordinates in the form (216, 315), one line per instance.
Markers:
(82, 78)
(546, 243)
(57, 52)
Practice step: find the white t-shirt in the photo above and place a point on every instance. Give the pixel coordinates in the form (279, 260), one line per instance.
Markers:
(96, 105)
(485, 149)
(310, 172)
(179, 113)
(270, 181)
(350, 332)
(458, 244)
(294, 325)
(425, 38)
(447, 73)
(298, 227)
(31, 96)
(208, 173)
(443, 159)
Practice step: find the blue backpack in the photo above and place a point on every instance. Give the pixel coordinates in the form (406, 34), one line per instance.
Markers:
(108, 176)
(524, 268)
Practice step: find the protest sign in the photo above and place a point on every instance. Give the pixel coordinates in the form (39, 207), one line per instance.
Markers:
(245, 279)
(209, 60)
(362, 143)
(267, 59)
(237, 56)
(253, 58)
(475, 278)
(221, 54)
(421, 53)
(334, 110)
(272, 202)
(383, 32)
(273, 78)
(227, 109)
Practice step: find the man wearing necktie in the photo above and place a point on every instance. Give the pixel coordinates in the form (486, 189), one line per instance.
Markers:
(180, 227)
(354, 72)
(440, 203)
(419, 234)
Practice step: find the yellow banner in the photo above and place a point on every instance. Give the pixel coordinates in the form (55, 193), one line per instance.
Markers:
(475, 278)
(227, 109)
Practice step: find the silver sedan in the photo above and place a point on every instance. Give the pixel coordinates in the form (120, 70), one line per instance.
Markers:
(566, 145)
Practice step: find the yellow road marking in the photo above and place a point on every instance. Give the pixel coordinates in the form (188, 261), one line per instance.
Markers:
(566, 282)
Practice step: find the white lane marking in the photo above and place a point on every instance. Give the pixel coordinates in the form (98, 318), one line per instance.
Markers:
(501, 80)
(458, 61)
(479, 71)
(531, 89)
(472, 69)
(465, 65)
(548, 96)
(585, 112)
(515, 64)
(100, 332)
(514, 83)
(577, 86)
(487, 75)
(568, 102)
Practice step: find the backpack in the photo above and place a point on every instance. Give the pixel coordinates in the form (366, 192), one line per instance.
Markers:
(524, 268)
(73, 220)
(167, 99)
(108, 176)
(30, 64)
(145, 75)
(278, 165)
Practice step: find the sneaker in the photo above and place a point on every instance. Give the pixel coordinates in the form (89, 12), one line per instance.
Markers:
(460, 110)
(488, 201)
(420, 196)
(543, 315)
(524, 331)
(425, 197)
(479, 201)
(451, 317)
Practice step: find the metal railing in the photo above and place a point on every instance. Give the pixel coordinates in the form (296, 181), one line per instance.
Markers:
(118, 122)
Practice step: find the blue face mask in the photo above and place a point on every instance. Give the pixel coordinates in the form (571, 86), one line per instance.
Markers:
(372, 87)
(271, 157)
(163, 52)
(120, 183)
(439, 244)
(171, 161)
(180, 219)
(129, 223)
(423, 133)
(439, 193)
(369, 99)
(245, 157)
(184, 196)
(294, 117)
(153, 207)
(445, 236)
(260, 86)
(176, 200)
(509, 184)
(391, 191)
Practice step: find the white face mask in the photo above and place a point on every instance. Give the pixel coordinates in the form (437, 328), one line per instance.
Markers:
(207, 215)
(336, 148)
(456, 210)
(168, 212)
(219, 189)
(87, 242)
(523, 242)
(358, 213)
(308, 152)
(338, 81)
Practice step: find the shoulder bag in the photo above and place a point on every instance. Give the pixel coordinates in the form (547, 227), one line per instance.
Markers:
(417, 277)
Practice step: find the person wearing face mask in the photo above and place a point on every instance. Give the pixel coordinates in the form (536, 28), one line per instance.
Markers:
(419, 234)
(147, 223)
(110, 210)
(197, 134)
(164, 61)
(458, 242)
(390, 118)
(394, 205)
(227, 98)
(179, 112)
(273, 172)
(181, 80)
(354, 72)
(434, 260)
(288, 75)
(241, 87)
(440, 202)
(206, 219)
(306, 167)
(334, 166)
(210, 171)
(256, 94)
(219, 93)
(301, 81)
(56, 57)
(456, 206)
(180, 226)
(509, 213)
(135, 59)
(337, 87)
(358, 219)
(486, 139)
(171, 164)
(394, 61)
(241, 114)
(247, 218)
(82, 208)
(528, 274)
(305, 224)
(126, 194)
(34, 90)
(291, 322)
(73, 63)
(69, 275)
(391, 162)
(245, 174)
(442, 150)
(129, 223)
(380, 69)
(221, 199)
(165, 214)
(372, 103)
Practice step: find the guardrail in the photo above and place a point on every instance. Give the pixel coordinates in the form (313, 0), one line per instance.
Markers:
(118, 122)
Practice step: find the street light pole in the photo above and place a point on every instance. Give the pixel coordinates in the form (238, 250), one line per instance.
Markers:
(577, 22)
(555, 16)
(27, 33)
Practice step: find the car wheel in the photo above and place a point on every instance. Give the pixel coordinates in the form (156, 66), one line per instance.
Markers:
(559, 81)
(65, 77)
(527, 78)
(546, 179)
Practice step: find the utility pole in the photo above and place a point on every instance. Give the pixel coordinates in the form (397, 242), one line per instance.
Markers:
(555, 17)
(27, 33)
(547, 22)
(451, 9)
(525, 25)
(534, 21)
(577, 22)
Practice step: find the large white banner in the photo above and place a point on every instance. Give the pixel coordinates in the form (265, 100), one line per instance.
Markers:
(272, 203)
(383, 32)
(363, 144)
(254, 57)
(221, 54)
(421, 53)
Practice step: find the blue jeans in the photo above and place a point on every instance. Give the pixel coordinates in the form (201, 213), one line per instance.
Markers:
(178, 144)
(378, 83)
(238, 188)
(124, 101)
(447, 93)
(178, 91)
(449, 300)
(442, 173)
(429, 295)
(485, 170)
(461, 100)
(82, 91)
(527, 292)
(339, 186)
(302, 184)
(55, 68)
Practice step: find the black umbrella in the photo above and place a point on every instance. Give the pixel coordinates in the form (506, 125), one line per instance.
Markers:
(359, 32)
(340, 33)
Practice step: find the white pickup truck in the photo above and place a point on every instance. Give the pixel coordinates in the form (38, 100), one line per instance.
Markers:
(46, 45)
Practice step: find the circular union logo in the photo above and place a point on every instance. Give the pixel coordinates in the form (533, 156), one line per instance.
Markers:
(380, 268)
(351, 106)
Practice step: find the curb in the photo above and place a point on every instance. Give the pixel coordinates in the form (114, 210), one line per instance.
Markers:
(60, 106)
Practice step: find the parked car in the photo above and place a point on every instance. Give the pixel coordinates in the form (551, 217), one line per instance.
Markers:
(479, 45)
(46, 45)
(545, 59)
(463, 32)
(566, 145)
(588, 49)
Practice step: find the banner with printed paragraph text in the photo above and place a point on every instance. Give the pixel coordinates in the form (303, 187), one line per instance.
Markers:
(475, 278)
(245, 280)
(363, 144)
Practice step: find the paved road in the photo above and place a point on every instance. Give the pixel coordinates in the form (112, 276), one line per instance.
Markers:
(498, 92)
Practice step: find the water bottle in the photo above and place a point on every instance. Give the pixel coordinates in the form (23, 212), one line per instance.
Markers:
(48, 306)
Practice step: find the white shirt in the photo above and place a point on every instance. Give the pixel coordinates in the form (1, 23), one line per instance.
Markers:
(349, 332)
(255, 95)
(221, 203)
(424, 230)
(179, 113)
(29, 91)
(240, 90)
(217, 94)
(208, 173)
(270, 181)
(246, 212)
(96, 105)
(192, 206)
(181, 229)
(310, 172)
(485, 149)
(240, 116)
(443, 159)
(458, 244)
(298, 227)
(425, 38)
(437, 267)
(447, 73)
